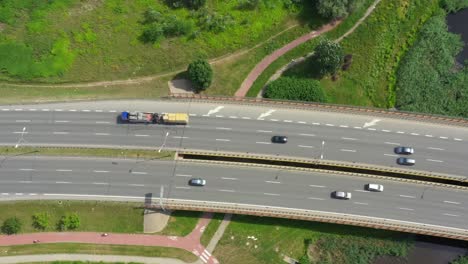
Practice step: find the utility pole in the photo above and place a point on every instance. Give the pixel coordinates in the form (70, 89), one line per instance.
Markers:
(21, 139)
(321, 152)
(164, 143)
(161, 195)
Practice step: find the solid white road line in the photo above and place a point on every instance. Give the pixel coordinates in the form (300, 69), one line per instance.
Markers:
(348, 150)
(317, 186)
(433, 160)
(392, 143)
(222, 139)
(347, 138)
(227, 178)
(304, 146)
(404, 208)
(450, 202)
(307, 135)
(139, 172)
(314, 198)
(435, 148)
(183, 175)
(407, 196)
(277, 182)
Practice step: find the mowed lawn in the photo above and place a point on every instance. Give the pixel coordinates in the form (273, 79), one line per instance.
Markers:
(256, 240)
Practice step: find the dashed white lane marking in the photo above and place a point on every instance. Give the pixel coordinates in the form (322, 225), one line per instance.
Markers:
(227, 178)
(18, 109)
(264, 131)
(315, 198)
(72, 110)
(316, 124)
(224, 128)
(371, 129)
(317, 186)
(386, 130)
(347, 138)
(246, 117)
(33, 194)
(307, 135)
(404, 208)
(305, 146)
(344, 126)
(400, 132)
(451, 202)
(454, 215)
(100, 183)
(271, 194)
(182, 187)
(62, 182)
(276, 182)
(361, 191)
(429, 136)
(219, 116)
(25, 181)
(139, 172)
(348, 150)
(20, 132)
(62, 121)
(26, 169)
(392, 143)
(18, 193)
(360, 203)
(443, 137)
(60, 133)
(261, 142)
(222, 139)
(63, 170)
(101, 134)
(287, 121)
(183, 175)
(102, 122)
(141, 135)
(86, 110)
(224, 190)
(45, 110)
(407, 196)
(358, 127)
(58, 110)
(436, 148)
(5, 193)
(100, 171)
(99, 111)
(179, 137)
(233, 117)
(301, 122)
(192, 114)
(5, 109)
(391, 155)
(112, 111)
(137, 185)
(330, 125)
(274, 120)
(415, 134)
(433, 160)
(457, 139)
(23, 121)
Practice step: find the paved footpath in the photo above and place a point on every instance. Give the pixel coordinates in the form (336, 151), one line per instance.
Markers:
(190, 242)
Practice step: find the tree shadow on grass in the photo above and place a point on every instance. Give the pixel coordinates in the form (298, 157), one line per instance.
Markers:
(308, 15)
(305, 69)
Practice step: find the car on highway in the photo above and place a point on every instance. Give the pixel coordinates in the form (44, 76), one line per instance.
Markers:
(406, 161)
(197, 182)
(341, 195)
(404, 150)
(374, 187)
(279, 139)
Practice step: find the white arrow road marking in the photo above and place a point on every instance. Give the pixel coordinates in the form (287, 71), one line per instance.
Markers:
(371, 123)
(216, 110)
(267, 113)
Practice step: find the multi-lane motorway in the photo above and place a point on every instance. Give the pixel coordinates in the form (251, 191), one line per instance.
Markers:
(105, 178)
(311, 134)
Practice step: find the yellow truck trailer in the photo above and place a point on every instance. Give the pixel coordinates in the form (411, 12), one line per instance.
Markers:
(174, 118)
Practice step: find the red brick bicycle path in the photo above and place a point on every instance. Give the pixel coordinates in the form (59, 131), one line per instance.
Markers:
(191, 242)
(262, 65)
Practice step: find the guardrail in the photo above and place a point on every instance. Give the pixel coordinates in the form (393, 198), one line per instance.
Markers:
(313, 215)
(324, 107)
(345, 165)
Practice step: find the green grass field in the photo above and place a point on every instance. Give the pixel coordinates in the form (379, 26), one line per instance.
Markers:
(73, 248)
(181, 223)
(329, 243)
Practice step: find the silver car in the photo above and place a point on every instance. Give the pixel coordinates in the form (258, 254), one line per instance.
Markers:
(404, 150)
(341, 195)
(374, 187)
(406, 161)
(197, 182)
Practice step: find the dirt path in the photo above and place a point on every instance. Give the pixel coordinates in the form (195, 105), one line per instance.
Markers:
(253, 75)
(191, 242)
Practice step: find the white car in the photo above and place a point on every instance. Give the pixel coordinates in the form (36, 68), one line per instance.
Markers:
(341, 195)
(374, 187)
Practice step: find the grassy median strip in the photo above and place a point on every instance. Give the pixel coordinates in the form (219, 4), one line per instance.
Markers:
(87, 152)
(75, 248)
(181, 223)
(211, 229)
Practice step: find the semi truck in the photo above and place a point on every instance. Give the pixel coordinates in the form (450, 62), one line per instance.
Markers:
(155, 118)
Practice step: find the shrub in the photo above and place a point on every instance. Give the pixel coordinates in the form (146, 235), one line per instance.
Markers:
(453, 6)
(152, 33)
(328, 57)
(41, 220)
(191, 4)
(333, 8)
(70, 222)
(291, 88)
(176, 27)
(200, 74)
(212, 21)
(11, 226)
(248, 4)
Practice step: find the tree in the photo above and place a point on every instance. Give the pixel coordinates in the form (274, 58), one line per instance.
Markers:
(41, 220)
(290, 88)
(332, 8)
(69, 221)
(200, 74)
(11, 226)
(328, 57)
(152, 33)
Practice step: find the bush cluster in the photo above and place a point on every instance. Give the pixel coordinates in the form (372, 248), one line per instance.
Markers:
(41, 221)
(290, 88)
(159, 26)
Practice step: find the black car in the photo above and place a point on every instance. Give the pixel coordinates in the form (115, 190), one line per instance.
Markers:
(406, 161)
(279, 139)
(404, 150)
(197, 182)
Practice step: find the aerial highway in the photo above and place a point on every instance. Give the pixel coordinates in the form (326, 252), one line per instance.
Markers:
(102, 178)
(241, 128)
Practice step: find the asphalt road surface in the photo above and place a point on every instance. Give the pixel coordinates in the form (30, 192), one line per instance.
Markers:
(29, 176)
(331, 136)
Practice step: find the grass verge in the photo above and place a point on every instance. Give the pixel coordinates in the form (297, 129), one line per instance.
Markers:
(74, 248)
(80, 262)
(117, 217)
(87, 152)
(211, 229)
(181, 223)
(326, 243)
